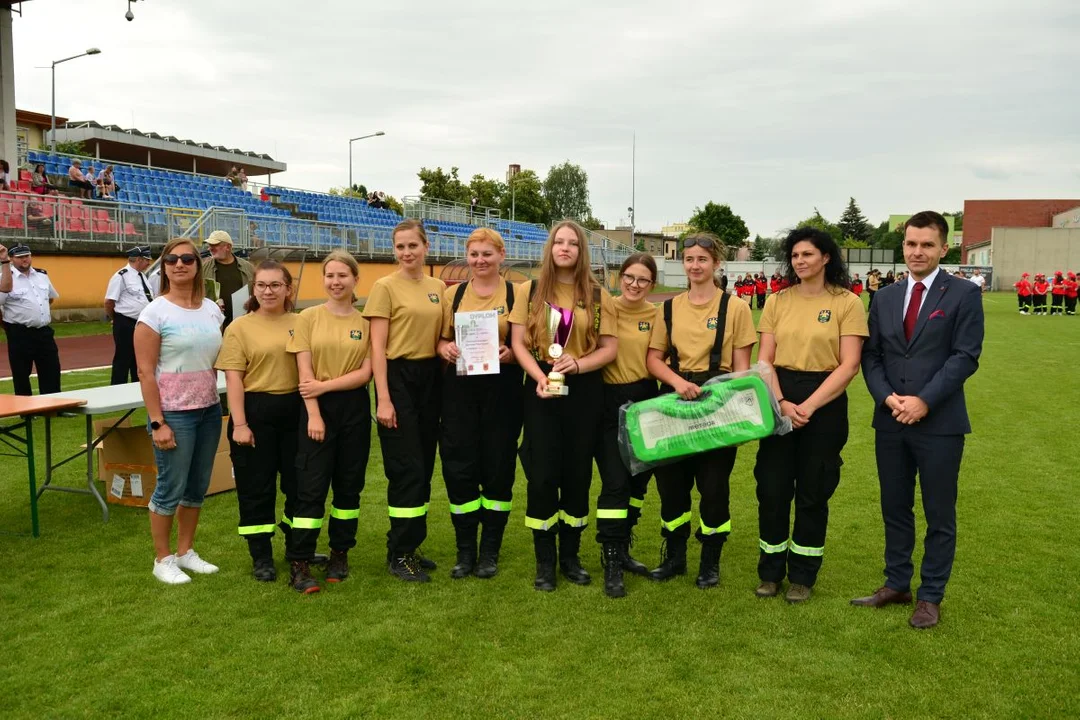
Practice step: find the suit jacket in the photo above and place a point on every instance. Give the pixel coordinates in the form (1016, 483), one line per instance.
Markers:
(943, 352)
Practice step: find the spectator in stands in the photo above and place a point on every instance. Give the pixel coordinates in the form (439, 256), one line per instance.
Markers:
(253, 238)
(177, 339)
(91, 177)
(233, 176)
(107, 184)
(230, 272)
(242, 177)
(77, 179)
(5, 181)
(36, 219)
(39, 182)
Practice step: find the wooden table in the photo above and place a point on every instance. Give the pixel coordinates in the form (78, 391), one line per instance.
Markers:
(26, 408)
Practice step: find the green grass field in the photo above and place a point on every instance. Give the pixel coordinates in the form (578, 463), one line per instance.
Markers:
(88, 632)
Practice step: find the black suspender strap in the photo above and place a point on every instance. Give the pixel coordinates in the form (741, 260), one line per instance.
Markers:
(458, 294)
(718, 346)
(673, 352)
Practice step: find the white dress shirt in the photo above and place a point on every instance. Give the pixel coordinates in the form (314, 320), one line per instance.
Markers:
(28, 302)
(927, 282)
(127, 289)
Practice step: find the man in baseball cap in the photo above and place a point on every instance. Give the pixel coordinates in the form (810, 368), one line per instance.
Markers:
(25, 296)
(230, 272)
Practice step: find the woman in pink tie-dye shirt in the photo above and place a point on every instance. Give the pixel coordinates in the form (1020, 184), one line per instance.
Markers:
(176, 341)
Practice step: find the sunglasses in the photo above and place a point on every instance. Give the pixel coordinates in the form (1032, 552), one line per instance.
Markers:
(186, 258)
(705, 243)
(640, 282)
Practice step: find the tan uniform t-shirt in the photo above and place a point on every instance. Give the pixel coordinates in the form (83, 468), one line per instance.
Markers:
(338, 343)
(808, 329)
(255, 345)
(471, 302)
(583, 318)
(635, 329)
(693, 328)
(414, 309)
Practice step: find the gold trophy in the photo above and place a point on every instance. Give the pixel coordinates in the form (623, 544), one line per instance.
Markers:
(560, 322)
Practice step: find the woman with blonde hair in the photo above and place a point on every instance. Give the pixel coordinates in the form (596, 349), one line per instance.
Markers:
(262, 385)
(561, 431)
(177, 338)
(331, 345)
(406, 316)
(481, 414)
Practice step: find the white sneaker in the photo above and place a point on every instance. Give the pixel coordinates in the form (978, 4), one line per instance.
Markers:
(167, 572)
(191, 561)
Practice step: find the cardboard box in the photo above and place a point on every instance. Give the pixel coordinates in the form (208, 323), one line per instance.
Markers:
(126, 465)
(99, 427)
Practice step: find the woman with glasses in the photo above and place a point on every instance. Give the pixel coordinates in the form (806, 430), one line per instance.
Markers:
(406, 316)
(812, 334)
(626, 379)
(331, 345)
(177, 338)
(561, 431)
(702, 334)
(262, 386)
(481, 415)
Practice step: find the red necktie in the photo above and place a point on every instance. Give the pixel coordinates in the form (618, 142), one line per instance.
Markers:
(912, 314)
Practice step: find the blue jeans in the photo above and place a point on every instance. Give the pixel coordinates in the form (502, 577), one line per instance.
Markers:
(183, 473)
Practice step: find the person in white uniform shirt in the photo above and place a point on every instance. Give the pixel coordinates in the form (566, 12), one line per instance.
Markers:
(25, 296)
(126, 296)
(978, 279)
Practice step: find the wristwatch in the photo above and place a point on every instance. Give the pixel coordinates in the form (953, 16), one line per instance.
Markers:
(155, 425)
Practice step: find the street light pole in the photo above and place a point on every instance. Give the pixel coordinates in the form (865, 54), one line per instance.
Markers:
(351, 141)
(633, 188)
(52, 123)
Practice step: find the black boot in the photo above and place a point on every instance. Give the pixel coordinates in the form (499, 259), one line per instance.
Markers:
(569, 552)
(629, 564)
(406, 566)
(672, 558)
(544, 546)
(611, 559)
(300, 578)
(466, 551)
(262, 559)
(490, 544)
(337, 569)
(709, 569)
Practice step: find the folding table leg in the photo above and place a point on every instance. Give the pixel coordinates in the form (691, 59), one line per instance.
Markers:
(31, 472)
(48, 456)
(90, 468)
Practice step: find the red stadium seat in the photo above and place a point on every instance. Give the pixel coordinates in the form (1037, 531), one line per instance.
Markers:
(101, 215)
(101, 226)
(76, 225)
(113, 227)
(4, 206)
(23, 185)
(51, 199)
(14, 222)
(25, 175)
(129, 229)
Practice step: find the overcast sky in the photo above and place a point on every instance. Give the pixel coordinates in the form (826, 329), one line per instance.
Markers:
(772, 106)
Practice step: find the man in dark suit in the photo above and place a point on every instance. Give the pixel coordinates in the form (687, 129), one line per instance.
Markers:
(926, 335)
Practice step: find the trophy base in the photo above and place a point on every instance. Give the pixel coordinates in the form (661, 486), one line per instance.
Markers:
(557, 390)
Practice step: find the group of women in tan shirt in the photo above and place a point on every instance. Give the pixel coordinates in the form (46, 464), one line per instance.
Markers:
(308, 375)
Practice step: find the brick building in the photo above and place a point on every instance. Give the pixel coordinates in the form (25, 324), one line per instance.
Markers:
(982, 216)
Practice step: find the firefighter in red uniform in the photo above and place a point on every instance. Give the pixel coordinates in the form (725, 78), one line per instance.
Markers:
(1071, 288)
(856, 285)
(1023, 293)
(1038, 294)
(760, 286)
(1057, 290)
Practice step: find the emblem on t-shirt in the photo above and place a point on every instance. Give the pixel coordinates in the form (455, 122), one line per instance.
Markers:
(824, 316)
(356, 334)
(644, 326)
(711, 323)
(290, 332)
(433, 297)
(501, 310)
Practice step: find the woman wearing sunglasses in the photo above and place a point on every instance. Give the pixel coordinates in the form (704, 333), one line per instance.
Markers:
(481, 415)
(177, 339)
(561, 432)
(702, 334)
(262, 388)
(626, 379)
(812, 333)
(331, 346)
(406, 316)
